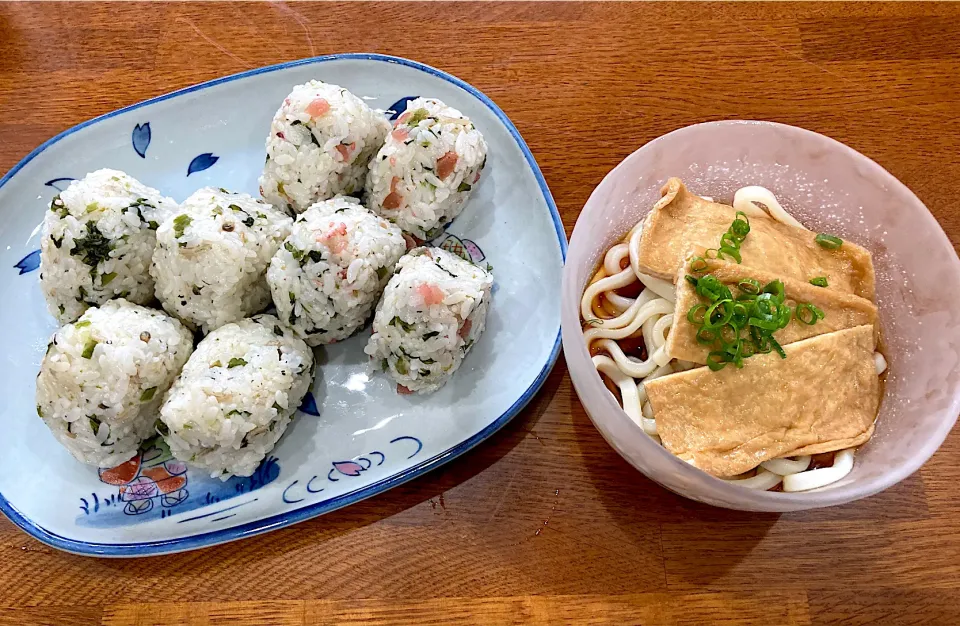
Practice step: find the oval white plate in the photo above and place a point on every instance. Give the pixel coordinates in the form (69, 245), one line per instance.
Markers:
(366, 438)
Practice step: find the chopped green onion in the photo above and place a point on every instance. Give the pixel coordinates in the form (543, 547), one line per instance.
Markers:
(737, 329)
(706, 336)
(819, 281)
(740, 227)
(236, 362)
(774, 287)
(715, 317)
(692, 316)
(294, 251)
(776, 346)
(399, 323)
(808, 313)
(88, 349)
(180, 224)
(749, 286)
(716, 360)
(731, 252)
(828, 242)
(148, 394)
(698, 264)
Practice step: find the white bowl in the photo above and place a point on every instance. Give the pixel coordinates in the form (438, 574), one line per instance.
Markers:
(829, 187)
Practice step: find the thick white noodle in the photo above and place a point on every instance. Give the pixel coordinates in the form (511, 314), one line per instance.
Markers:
(649, 338)
(620, 303)
(648, 410)
(616, 254)
(628, 316)
(785, 467)
(880, 362)
(661, 329)
(663, 370)
(762, 481)
(628, 392)
(628, 365)
(643, 313)
(641, 392)
(609, 283)
(812, 479)
(663, 288)
(747, 198)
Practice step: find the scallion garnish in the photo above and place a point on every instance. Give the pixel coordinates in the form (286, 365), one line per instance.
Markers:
(730, 241)
(819, 281)
(736, 329)
(808, 313)
(828, 241)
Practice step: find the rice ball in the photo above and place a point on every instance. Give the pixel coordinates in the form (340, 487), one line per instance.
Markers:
(98, 237)
(424, 173)
(212, 255)
(236, 396)
(103, 378)
(431, 313)
(332, 268)
(320, 143)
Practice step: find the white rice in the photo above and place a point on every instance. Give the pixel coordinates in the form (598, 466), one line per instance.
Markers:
(212, 255)
(404, 184)
(103, 378)
(431, 313)
(320, 143)
(236, 396)
(98, 237)
(332, 268)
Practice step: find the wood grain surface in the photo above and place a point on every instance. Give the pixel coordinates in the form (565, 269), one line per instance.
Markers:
(543, 523)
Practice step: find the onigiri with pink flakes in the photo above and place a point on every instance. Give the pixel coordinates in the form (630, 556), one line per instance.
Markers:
(332, 268)
(320, 143)
(427, 168)
(431, 314)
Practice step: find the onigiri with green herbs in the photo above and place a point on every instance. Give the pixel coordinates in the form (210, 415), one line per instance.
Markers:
(236, 396)
(211, 258)
(427, 168)
(320, 142)
(98, 239)
(332, 268)
(431, 314)
(104, 376)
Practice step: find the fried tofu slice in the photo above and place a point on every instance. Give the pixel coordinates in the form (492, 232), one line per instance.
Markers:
(681, 221)
(823, 397)
(841, 310)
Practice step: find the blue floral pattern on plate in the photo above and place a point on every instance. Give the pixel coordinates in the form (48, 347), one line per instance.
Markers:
(399, 106)
(141, 139)
(29, 263)
(202, 162)
(59, 183)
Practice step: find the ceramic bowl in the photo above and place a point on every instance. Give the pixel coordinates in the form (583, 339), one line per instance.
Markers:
(829, 187)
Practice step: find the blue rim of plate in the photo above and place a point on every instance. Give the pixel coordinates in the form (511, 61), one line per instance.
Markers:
(273, 522)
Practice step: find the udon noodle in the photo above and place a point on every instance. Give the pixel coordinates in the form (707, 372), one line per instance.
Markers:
(627, 316)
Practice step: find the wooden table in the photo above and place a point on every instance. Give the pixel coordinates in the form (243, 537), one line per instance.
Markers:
(543, 523)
